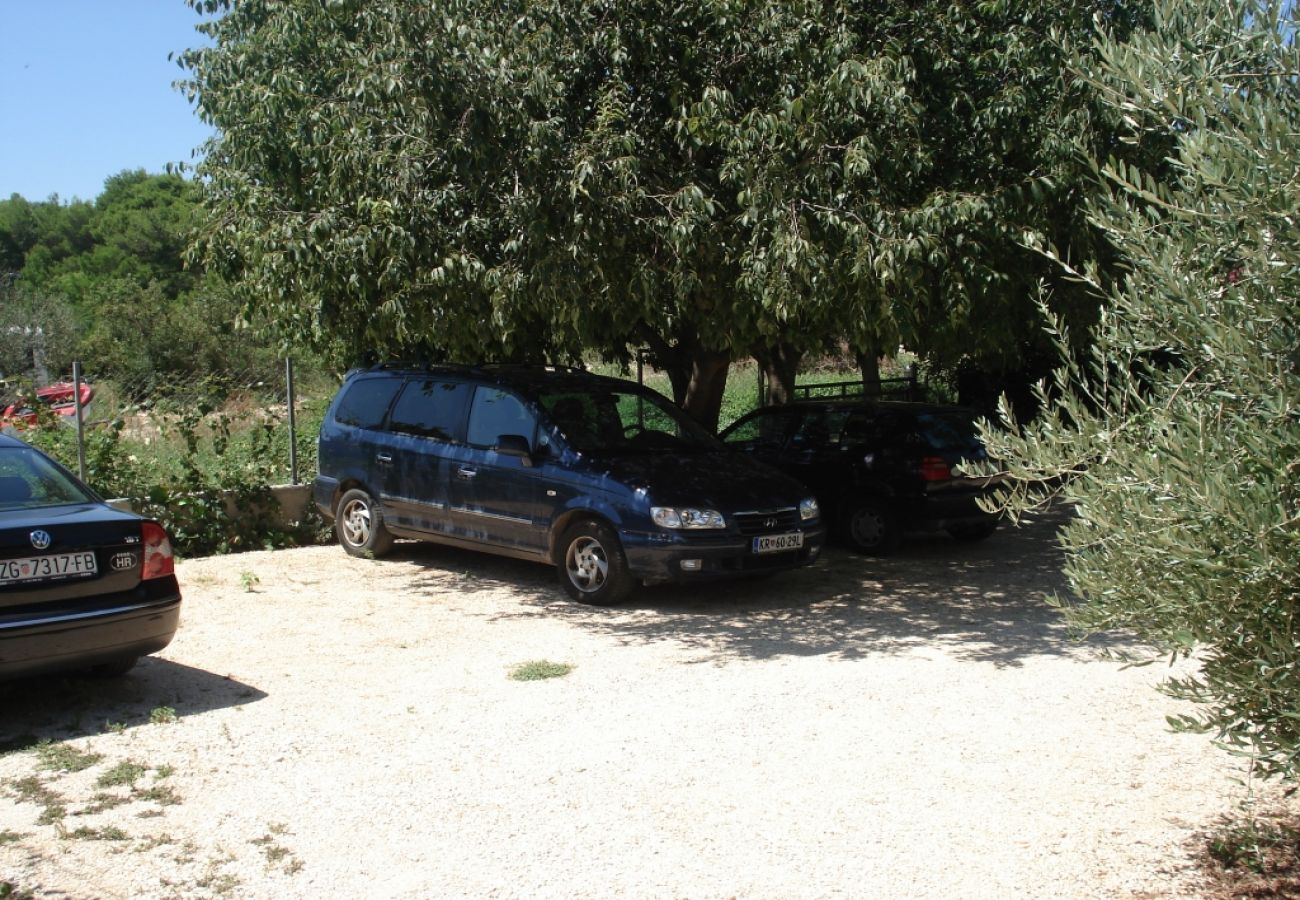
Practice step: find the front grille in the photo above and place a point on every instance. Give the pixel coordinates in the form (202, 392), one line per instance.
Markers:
(773, 521)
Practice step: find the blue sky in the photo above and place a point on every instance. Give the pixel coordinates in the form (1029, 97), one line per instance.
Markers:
(86, 91)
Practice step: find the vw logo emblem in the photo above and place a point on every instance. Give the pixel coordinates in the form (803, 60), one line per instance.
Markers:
(770, 522)
(41, 539)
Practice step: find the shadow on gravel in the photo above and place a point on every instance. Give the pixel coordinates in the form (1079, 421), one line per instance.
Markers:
(61, 707)
(980, 602)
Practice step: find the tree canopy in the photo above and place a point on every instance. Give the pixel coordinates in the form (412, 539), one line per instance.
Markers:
(1178, 439)
(532, 180)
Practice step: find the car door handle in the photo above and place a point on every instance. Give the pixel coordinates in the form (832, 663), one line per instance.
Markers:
(465, 474)
(384, 458)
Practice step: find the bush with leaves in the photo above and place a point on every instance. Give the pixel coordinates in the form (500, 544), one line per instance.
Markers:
(1178, 441)
(208, 481)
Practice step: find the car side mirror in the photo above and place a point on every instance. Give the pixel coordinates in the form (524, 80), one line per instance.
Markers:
(515, 445)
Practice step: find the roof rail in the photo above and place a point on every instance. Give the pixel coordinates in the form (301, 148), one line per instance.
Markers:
(424, 366)
(533, 367)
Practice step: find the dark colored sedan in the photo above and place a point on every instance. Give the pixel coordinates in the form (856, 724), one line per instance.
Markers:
(83, 586)
(878, 468)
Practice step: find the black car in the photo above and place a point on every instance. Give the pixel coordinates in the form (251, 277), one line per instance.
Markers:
(878, 468)
(82, 585)
(602, 478)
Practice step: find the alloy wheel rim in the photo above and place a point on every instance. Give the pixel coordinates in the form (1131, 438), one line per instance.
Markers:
(356, 523)
(868, 527)
(587, 565)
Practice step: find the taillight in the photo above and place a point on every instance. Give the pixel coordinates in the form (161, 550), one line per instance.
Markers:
(158, 559)
(935, 468)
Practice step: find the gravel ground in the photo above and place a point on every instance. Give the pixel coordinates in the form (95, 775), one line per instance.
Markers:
(920, 726)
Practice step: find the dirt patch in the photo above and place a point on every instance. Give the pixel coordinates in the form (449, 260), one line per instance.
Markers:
(330, 726)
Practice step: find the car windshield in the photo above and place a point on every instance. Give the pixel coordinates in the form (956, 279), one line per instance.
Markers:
(615, 422)
(29, 481)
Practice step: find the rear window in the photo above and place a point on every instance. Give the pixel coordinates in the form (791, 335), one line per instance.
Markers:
(29, 480)
(365, 401)
(949, 431)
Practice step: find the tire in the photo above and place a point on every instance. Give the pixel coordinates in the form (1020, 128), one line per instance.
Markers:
(592, 566)
(871, 527)
(972, 532)
(115, 669)
(359, 524)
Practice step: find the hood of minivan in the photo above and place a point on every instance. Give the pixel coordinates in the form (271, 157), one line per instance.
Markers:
(725, 481)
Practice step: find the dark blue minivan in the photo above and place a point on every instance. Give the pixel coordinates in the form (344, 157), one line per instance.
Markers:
(601, 477)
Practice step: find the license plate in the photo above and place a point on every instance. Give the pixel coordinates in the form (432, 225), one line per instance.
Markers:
(778, 543)
(41, 568)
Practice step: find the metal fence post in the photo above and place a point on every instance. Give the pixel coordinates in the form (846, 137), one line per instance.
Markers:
(293, 422)
(81, 424)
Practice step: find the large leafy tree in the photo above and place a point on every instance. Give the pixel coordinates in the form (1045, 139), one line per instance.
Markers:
(1178, 440)
(709, 179)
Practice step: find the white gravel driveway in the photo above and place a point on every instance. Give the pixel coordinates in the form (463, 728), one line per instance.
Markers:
(920, 726)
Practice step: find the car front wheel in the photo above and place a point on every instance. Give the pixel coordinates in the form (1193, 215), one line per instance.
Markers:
(593, 569)
(870, 527)
(359, 525)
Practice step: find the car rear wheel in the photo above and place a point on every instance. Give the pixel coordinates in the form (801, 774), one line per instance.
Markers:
(359, 525)
(976, 531)
(593, 569)
(871, 527)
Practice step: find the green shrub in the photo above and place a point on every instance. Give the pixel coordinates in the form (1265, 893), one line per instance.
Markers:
(1178, 442)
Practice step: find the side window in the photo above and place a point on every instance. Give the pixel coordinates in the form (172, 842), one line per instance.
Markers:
(582, 420)
(365, 402)
(496, 412)
(430, 409)
(861, 428)
(765, 432)
(819, 430)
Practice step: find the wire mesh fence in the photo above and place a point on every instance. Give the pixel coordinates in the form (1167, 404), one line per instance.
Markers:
(209, 415)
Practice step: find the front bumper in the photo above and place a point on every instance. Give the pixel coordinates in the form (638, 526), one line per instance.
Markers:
(99, 630)
(659, 556)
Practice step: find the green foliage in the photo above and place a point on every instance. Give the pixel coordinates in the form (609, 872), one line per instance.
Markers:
(124, 773)
(163, 715)
(529, 180)
(206, 477)
(539, 670)
(65, 757)
(37, 332)
(106, 283)
(12, 891)
(1178, 438)
(1257, 845)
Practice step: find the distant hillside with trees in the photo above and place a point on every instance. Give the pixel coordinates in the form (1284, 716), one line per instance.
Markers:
(106, 282)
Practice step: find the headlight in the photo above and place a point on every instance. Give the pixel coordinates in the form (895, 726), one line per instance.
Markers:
(674, 517)
(808, 509)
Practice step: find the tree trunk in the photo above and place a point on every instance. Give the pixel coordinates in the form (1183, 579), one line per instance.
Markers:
(709, 370)
(869, 363)
(673, 361)
(780, 363)
(698, 375)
